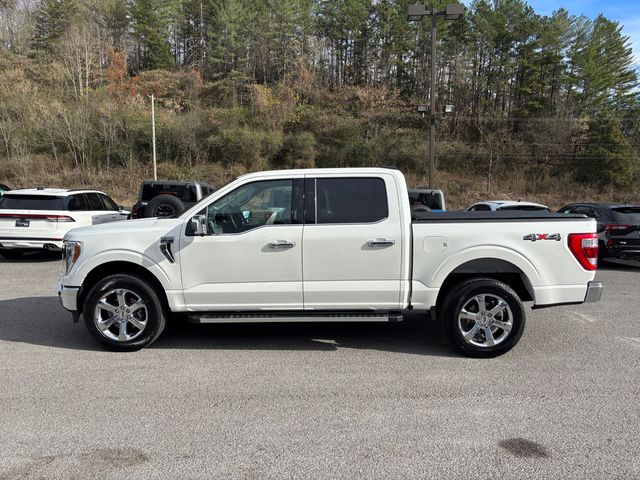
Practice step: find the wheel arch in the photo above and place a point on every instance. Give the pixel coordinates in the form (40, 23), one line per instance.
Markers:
(120, 267)
(496, 268)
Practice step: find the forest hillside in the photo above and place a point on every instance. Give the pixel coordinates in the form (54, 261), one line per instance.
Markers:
(545, 108)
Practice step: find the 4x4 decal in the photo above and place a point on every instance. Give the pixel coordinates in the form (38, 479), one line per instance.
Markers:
(534, 237)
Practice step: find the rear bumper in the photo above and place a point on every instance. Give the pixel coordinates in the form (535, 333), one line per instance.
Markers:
(68, 297)
(628, 254)
(31, 243)
(622, 252)
(594, 292)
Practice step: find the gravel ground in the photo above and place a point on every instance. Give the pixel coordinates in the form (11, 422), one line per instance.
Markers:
(317, 401)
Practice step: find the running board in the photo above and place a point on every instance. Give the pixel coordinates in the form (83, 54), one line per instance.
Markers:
(295, 317)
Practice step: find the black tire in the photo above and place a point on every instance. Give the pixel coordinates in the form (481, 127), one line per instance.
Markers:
(11, 254)
(479, 345)
(164, 206)
(155, 316)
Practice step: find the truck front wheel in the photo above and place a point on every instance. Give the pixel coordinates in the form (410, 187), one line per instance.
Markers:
(483, 317)
(123, 313)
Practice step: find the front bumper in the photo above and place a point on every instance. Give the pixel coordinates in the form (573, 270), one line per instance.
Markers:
(68, 297)
(594, 292)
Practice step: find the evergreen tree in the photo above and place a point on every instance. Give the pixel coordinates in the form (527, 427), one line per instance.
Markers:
(607, 159)
(603, 63)
(150, 20)
(52, 18)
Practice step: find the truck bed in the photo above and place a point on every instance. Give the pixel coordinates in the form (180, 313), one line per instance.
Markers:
(499, 216)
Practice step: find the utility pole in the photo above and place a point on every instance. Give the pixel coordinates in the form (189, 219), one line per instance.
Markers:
(432, 100)
(415, 13)
(153, 137)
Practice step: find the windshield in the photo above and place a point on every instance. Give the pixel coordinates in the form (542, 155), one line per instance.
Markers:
(530, 208)
(626, 214)
(433, 200)
(29, 202)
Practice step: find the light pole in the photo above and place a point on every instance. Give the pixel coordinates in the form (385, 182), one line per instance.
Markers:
(153, 137)
(415, 13)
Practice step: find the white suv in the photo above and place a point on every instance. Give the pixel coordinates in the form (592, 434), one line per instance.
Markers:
(38, 218)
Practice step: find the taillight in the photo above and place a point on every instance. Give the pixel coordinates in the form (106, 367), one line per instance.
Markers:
(51, 218)
(134, 212)
(59, 218)
(616, 228)
(584, 247)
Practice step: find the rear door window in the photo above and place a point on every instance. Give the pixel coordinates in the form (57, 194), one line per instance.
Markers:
(30, 202)
(77, 202)
(351, 200)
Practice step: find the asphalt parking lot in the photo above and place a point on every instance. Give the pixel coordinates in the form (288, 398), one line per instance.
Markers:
(317, 401)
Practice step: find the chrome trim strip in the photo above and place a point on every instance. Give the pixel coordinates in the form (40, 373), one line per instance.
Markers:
(292, 319)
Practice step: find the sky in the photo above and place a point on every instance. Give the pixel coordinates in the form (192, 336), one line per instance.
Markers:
(627, 12)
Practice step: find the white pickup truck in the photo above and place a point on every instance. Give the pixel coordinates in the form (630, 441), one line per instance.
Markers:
(335, 245)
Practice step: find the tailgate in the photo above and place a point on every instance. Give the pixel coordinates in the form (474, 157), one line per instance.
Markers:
(28, 223)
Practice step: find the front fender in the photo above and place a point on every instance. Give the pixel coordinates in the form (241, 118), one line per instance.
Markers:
(155, 267)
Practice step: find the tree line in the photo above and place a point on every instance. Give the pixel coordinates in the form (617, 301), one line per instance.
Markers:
(318, 82)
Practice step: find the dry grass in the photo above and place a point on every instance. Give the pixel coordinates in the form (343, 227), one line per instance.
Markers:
(460, 190)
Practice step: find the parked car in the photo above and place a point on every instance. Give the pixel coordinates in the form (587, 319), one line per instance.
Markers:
(38, 218)
(497, 205)
(3, 188)
(168, 198)
(618, 228)
(334, 245)
(433, 200)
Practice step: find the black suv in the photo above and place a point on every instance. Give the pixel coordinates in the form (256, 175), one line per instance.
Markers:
(618, 228)
(168, 198)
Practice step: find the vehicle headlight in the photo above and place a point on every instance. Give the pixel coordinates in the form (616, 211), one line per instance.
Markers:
(70, 253)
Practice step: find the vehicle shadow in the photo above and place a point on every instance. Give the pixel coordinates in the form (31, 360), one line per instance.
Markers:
(42, 321)
(415, 335)
(36, 256)
(620, 265)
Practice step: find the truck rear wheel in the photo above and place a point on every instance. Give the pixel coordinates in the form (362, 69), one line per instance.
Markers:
(483, 317)
(123, 313)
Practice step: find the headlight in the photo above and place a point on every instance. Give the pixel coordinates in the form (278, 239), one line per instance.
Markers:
(70, 253)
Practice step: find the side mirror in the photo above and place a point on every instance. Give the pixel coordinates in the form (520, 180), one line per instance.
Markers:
(199, 225)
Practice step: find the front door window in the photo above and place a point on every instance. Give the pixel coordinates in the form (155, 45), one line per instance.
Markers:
(251, 206)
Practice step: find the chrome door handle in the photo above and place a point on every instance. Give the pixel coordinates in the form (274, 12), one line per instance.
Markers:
(281, 244)
(381, 242)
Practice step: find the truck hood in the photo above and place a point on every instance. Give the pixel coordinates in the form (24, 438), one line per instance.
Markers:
(126, 228)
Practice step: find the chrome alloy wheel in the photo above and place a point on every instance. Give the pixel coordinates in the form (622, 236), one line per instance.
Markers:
(120, 315)
(485, 320)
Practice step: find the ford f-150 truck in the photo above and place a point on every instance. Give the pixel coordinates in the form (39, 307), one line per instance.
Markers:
(335, 245)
